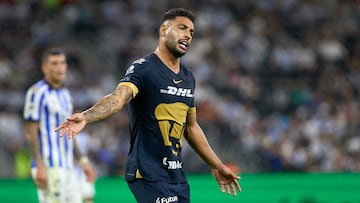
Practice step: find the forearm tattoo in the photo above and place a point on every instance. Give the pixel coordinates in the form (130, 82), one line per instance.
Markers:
(108, 105)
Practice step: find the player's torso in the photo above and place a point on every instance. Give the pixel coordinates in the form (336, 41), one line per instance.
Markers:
(54, 106)
(163, 88)
(160, 109)
(57, 104)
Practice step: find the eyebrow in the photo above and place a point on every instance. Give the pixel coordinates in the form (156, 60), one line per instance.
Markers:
(186, 26)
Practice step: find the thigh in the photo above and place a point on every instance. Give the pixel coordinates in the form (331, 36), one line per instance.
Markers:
(183, 193)
(53, 191)
(148, 192)
(70, 186)
(62, 187)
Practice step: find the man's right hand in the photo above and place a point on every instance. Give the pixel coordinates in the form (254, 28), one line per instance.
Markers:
(72, 126)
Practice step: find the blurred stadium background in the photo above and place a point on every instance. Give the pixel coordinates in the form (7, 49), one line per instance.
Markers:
(278, 85)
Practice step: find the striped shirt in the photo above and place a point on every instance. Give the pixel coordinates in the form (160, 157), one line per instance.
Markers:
(50, 107)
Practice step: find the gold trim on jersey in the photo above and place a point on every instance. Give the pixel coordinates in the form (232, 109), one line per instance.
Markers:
(192, 110)
(133, 87)
(137, 174)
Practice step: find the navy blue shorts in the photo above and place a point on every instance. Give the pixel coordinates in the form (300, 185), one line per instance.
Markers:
(159, 192)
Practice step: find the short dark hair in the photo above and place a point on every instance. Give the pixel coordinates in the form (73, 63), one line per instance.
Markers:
(175, 12)
(51, 52)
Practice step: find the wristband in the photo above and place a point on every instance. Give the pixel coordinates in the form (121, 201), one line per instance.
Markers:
(84, 160)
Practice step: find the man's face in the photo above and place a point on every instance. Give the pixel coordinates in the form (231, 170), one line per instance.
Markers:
(54, 69)
(178, 35)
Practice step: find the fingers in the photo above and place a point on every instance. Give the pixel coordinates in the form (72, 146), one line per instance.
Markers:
(233, 191)
(70, 134)
(237, 185)
(41, 184)
(222, 188)
(65, 129)
(63, 132)
(57, 129)
(231, 188)
(228, 182)
(228, 188)
(91, 177)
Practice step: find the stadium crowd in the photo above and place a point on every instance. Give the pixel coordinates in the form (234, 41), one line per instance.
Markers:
(278, 81)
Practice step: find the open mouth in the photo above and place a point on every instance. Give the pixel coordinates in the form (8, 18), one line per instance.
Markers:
(183, 45)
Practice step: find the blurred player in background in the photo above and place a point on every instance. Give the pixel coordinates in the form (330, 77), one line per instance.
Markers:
(47, 104)
(87, 188)
(160, 93)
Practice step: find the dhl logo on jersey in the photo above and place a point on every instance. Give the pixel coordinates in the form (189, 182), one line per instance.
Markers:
(182, 92)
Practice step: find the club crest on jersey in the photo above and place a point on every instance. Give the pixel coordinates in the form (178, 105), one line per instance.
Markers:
(139, 61)
(130, 70)
(181, 92)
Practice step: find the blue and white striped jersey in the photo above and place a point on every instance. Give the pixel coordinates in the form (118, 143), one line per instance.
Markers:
(50, 107)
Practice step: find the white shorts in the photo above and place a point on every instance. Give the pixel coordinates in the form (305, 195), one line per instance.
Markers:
(63, 186)
(87, 188)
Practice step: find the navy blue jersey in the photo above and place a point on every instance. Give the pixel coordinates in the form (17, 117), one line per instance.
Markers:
(162, 100)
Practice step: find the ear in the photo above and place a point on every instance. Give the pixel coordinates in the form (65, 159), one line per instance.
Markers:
(43, 68)
(162, 30)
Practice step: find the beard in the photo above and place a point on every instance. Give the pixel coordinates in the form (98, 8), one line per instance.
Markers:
(173, 50)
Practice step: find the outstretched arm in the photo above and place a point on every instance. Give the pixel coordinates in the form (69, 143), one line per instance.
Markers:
(104, 108)
(108, 105)
(226, 179)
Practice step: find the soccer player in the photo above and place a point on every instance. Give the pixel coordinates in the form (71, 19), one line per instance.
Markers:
(160, 93)
(47, 104)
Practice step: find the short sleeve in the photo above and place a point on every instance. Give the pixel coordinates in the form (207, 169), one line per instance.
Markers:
(32, 104)
(134, 76)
